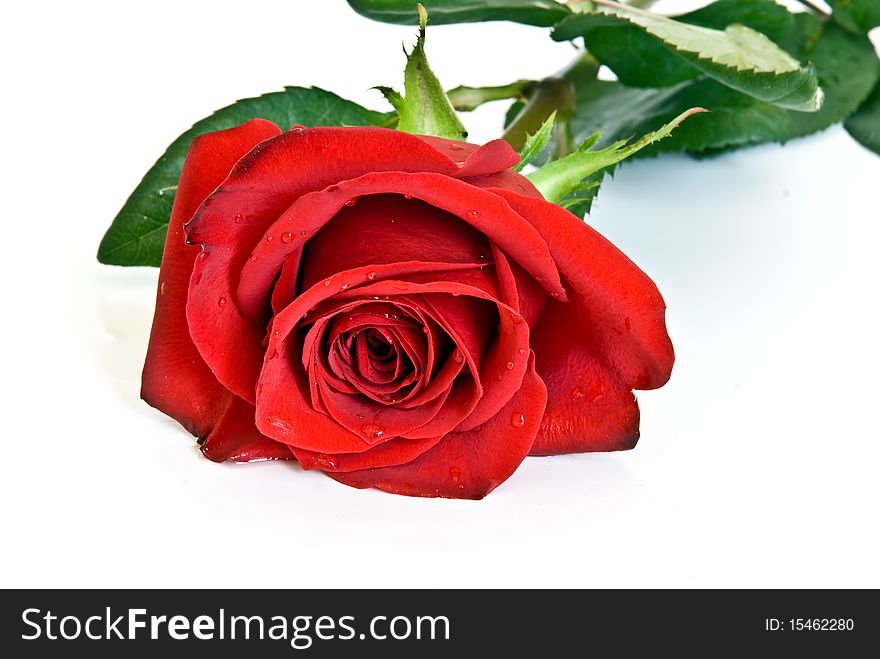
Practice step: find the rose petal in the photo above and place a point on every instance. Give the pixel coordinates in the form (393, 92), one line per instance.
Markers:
(387, 228)
(395, 452)
(236, 438)
(256, 192)
(176, 380)
(467, 465)
(483, 210)
(589, 407)
(608, 339)
(619, 305)
(475, 160)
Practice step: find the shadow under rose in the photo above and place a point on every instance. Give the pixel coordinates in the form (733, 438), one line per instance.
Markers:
(116, 325)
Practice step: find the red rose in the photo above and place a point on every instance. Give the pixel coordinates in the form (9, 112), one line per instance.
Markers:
(401, 312)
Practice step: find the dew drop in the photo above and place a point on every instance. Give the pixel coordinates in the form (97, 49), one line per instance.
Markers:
(326, 461)
(456, 147)
(577, 393)
(276, 334)
(522, 351)
(253, 258)
(287, 237)
(279, 424)
(509, 366)
(473, 214)
(221, 302)
(326, 282)
(346, 286)
(476, 428)
(554, 294)
(372, 431)
(203, 255)
(238, 218)
(269, 239)
(458, 356)
(350, 202)
(518, 420)
(298, 129)
(407, 196)
(162, 288)
(371, 276)
(401, 285)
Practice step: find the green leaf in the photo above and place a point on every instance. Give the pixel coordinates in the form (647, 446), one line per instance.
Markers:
(559, 179)
(848, 69)
(640, 60)
(734, 120)
(137, 234)
(532, 12)
(738, 57)
(856, 15)
(864, 125)
(426, 109)
(536, 143)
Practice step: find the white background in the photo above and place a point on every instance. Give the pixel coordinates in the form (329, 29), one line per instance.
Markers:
(758, 464)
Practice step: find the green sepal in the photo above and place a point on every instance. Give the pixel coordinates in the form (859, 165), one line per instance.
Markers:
(425, 109)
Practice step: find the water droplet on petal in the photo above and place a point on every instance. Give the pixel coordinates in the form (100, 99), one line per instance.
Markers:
(371, 276)
(238, 218)
(522, 351)
(287, 237)
(269, 239)
(518, 420)
(326, 461)
(401, 285)
(458, 356)
(298, 129)
(456, 147)
(278, 424)
(346, 286)
(509, 366)
(577, 393)
(162, 287)
(222, 301)
(276, 334)
(203, 255)
(407, 196)
(326, 282)
(473, 214)
(351, 202)
(372, 431)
